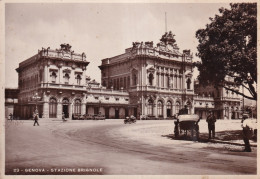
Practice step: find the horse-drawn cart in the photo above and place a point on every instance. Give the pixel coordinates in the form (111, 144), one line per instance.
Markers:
(187, 123)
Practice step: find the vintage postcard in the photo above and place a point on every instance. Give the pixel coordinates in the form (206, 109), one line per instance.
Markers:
(139, 89)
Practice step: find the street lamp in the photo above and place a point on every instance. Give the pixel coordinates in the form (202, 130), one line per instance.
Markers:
(207, 109)
(36, 97)
(225, 110)
(100, 106)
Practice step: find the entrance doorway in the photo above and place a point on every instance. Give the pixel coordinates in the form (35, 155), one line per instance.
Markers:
(107, 113)
(135, 112)
(117, 113)
(96, 110)
(169, 112)
(126, 112)
(65, 107)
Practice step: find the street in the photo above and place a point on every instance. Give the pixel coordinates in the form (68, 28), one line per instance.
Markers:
(112, 148)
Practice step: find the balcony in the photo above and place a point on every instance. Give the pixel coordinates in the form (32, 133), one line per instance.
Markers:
(161, 89)
(62, 86)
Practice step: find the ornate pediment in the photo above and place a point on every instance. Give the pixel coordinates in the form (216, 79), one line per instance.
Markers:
(151, 69)
(148, 44)
(65, 47)
(167, 44)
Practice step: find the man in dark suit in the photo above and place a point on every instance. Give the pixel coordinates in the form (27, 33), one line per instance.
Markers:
(184, 110)
(36, 117)
(211, 119)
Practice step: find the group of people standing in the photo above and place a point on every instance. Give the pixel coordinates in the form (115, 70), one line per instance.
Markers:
(211, 120)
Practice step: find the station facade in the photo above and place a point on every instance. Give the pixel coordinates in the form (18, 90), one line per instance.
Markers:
(156, 81)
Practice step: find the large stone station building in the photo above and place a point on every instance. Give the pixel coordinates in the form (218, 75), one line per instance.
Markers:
(152, 80)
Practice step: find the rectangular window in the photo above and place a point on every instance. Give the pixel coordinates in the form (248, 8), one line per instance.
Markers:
(124, 82)
(176, 81)
(162, 82)
(158, 84)
(128, 81)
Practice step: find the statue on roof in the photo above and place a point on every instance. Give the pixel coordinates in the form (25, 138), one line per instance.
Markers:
(65, 47)
(168, 38)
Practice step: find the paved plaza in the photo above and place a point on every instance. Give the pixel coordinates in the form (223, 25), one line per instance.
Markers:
(112, 148)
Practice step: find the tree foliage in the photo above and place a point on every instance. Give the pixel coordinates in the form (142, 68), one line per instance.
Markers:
(228, 48)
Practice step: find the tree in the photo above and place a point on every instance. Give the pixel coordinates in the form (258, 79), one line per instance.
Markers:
(228, 49)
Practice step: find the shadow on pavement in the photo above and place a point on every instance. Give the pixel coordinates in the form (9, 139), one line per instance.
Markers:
(224, 137)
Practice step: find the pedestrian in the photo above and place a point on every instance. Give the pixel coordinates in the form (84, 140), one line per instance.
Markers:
(246, 132)
(10, 117)
(36, 118)
(184, 110)
(63, 117)
(211, 119)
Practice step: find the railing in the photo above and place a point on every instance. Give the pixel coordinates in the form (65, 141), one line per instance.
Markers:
(108, 91)
(161, 89)
(62, 86)
(158, 53)
(60, 54)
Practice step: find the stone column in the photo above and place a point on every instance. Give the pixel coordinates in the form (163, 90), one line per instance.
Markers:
(70, 110)
(45, 110)
(164, 111)
(173, 109)
(155, 109)
(60, 75)
(45, 74)
(59, 110)
(229, 112)
(83, 108)
(160, 79)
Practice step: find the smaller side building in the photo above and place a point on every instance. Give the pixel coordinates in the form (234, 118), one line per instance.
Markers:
(11, 101)
(223, 103)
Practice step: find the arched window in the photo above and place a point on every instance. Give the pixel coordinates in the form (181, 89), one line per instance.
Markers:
(150, 108)
(169, 109)
(160, 108)
(151, 79)
(53, 108)
(66, 78)
(53, 77)
(78, 78)
(134, 79)
(188, 83)
(177, 108)
(77, 107)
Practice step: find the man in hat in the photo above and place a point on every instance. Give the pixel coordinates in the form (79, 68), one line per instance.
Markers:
(211, 119)
(246, 132)
(63, 117)
(184, 110)
(36, 117)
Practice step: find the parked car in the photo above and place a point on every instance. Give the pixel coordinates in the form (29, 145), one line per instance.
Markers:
(144, 117)
(88, 116)
(77, 117)
(99, 117)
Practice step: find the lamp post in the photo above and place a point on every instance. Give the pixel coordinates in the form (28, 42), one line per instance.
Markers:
(225, 110)
(207, 109)
(100, 106)
(36, 97)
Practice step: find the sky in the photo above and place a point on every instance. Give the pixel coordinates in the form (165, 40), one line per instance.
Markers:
(100, 30)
